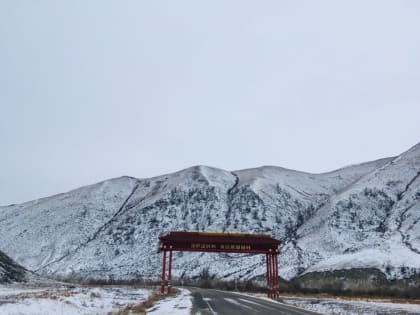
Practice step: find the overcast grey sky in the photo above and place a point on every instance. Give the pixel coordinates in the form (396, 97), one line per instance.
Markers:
(91, 90)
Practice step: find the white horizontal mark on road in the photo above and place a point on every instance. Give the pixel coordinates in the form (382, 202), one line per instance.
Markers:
(237, 303)
(260, 305)
(295, 309)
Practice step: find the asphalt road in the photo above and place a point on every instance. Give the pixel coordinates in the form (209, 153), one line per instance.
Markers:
(215, 302)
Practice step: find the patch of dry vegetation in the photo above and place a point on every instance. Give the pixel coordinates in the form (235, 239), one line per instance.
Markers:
(140, 309)
(54, 296)
(94, 295)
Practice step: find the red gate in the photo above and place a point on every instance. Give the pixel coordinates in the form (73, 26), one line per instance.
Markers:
(226, 243)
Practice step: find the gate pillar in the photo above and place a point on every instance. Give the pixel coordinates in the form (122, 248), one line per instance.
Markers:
(270, 277)
(162, 286)
(170, 270)
(276, 274)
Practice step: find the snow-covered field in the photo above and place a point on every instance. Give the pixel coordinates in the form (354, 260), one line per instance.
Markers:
(68, 301)
(339, 306)
(25, 300)
(179, 305)
(353, 307)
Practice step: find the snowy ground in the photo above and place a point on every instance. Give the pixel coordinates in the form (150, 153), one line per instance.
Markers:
(337, 306)
(179, 305)
(25, 300)
(353, 307)
(68, 301)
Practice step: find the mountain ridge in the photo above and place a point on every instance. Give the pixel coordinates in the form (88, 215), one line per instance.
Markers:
(327, 220)
(196, 166)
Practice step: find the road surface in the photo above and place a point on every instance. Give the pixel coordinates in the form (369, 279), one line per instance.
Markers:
(215, 302)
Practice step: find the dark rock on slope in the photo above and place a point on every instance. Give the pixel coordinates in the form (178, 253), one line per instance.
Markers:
(10, 271)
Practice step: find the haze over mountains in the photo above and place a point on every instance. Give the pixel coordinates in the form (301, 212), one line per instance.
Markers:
(361, 216)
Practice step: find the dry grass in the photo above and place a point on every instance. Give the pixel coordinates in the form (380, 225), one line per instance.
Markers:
(404, 301)
(140, 309)
(94, 295)
(54, 296)
(353, 298)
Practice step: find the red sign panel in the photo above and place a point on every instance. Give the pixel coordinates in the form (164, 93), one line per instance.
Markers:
(220, 242)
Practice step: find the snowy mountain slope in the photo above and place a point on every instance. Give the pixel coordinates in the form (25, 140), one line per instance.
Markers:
(373, 223)
(330, 220)
(187, 201)
(39, 232)
(9, 270)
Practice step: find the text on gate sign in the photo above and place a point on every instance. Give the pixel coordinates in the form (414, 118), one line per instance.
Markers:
(222, 246)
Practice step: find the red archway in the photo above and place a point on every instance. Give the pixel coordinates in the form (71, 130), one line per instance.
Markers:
(226, 243)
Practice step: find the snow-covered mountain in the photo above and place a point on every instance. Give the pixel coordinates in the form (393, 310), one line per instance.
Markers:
(10, 271)
(365, 215)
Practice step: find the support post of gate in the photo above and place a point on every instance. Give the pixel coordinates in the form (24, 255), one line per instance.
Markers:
(278, 273)
(268, 275)
(278, 260)
(274, 275)
(170, 270)
(273, 278)
(162, 286)
(266, 262)
(276, 282)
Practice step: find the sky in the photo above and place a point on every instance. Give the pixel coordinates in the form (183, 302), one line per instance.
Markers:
(91, 90)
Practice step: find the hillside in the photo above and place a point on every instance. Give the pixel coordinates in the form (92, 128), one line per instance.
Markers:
(361, 216)
(10, 271)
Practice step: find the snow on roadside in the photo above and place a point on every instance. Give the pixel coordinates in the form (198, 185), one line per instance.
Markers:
(179, 305)
(68, 301)
(8, 292)
(347, 307)
(337, 306)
